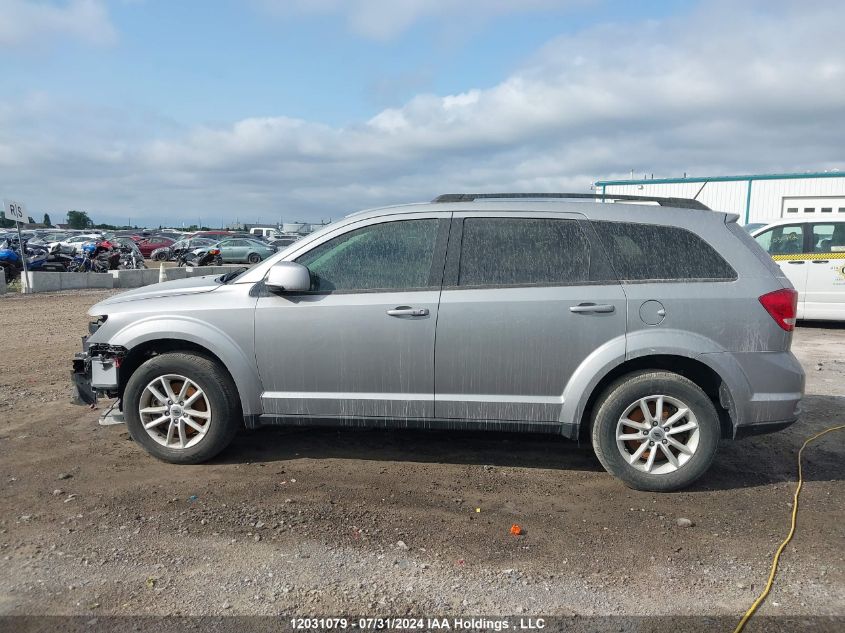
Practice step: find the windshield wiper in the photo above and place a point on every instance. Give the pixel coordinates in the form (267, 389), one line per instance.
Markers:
(231, 275)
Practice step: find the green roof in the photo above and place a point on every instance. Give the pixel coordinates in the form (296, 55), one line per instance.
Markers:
(668, 181)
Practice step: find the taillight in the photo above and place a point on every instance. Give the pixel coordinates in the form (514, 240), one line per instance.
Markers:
(782, 305)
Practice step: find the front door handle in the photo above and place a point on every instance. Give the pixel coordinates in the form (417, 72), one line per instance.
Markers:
(592, 307)
(795, 262)
(821, 261)
(408, 311)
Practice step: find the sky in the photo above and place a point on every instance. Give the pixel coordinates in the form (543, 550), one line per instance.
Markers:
(211, 111)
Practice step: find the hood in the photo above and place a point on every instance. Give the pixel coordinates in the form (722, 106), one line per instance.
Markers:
(193, 285)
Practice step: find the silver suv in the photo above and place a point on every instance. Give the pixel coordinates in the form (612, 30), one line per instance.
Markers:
(653, 330)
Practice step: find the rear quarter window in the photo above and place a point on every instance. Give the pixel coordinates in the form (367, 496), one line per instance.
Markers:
(653, 252)
(745, 237)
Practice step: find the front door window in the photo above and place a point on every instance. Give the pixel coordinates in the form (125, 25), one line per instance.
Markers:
(389, 256)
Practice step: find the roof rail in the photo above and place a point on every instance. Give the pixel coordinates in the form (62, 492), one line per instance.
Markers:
(683, 203)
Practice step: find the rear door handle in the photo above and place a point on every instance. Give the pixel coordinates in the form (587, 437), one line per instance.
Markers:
(408, 311)
(795, 262)
(821, 261)
(592, 307)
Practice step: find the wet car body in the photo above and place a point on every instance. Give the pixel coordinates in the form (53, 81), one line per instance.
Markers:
(653, 332)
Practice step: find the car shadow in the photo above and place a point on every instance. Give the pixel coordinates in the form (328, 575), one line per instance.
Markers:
(772, 458)
(746, 463)
(821, 325)
(528, 450)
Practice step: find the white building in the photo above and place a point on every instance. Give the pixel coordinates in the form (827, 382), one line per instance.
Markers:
(756, 198)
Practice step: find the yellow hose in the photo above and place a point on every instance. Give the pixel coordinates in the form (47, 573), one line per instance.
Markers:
(789, 536)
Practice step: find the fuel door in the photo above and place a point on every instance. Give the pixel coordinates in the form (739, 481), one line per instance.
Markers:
(652, 312)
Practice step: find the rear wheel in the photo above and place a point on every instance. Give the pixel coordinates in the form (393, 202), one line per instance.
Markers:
(160, 257)
(655, 430)
(182, 408)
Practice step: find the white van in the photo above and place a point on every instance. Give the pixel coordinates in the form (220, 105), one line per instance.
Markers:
(811, 253)
(265, 231)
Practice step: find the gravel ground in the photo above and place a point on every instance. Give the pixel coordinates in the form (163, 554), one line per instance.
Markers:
(323, 522)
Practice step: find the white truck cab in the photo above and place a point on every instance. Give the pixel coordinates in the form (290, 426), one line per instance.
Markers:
(811, 253)
(269, 232)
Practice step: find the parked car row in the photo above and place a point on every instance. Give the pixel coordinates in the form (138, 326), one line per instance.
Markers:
(98, 255)
(233, 250)
(164, 245)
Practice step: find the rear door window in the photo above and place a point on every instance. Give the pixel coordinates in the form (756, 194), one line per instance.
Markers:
(523, 251)
(828, 238)
(652, 252)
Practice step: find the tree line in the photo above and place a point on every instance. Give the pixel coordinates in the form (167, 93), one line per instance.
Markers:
(74, 220)
(81, 220)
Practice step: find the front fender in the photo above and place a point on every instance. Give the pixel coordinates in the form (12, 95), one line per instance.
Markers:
(183, 328)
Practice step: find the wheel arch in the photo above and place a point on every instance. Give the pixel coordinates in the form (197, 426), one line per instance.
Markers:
(706, 377)
(157, 338)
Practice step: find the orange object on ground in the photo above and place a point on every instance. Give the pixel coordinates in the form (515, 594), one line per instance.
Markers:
(516, 530)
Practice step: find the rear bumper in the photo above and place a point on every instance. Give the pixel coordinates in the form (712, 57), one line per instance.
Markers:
(763, 427)
(765, 389)
(777, 387)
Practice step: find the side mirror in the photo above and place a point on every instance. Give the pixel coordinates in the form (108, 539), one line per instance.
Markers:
(288, 277)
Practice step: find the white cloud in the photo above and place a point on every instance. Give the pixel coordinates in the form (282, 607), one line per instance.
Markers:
(31, 22)
(387, 19)
(720, 91)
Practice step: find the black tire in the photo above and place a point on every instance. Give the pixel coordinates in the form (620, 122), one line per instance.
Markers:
(626, 391)
(254, 258)
(226, 413)
(160, 257)
(218, 261)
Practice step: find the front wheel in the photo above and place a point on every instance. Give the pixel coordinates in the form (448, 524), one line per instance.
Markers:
(183, 408)
(655, 430)
(254, 258)
(160, 257)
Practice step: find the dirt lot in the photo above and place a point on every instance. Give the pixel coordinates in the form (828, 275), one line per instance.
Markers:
(325, 522)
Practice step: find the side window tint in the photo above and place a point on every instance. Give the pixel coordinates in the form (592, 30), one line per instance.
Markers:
(389, 256)
(640, 252)
(522, 251)
(829, 238)
(783, 240)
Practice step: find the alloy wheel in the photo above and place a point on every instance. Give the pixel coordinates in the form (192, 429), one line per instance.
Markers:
(657, 434)
(175, 411)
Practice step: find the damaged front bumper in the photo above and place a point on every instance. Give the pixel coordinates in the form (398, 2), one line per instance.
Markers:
(95, 372)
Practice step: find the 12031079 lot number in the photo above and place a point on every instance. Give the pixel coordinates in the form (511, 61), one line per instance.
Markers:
(376, 624)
